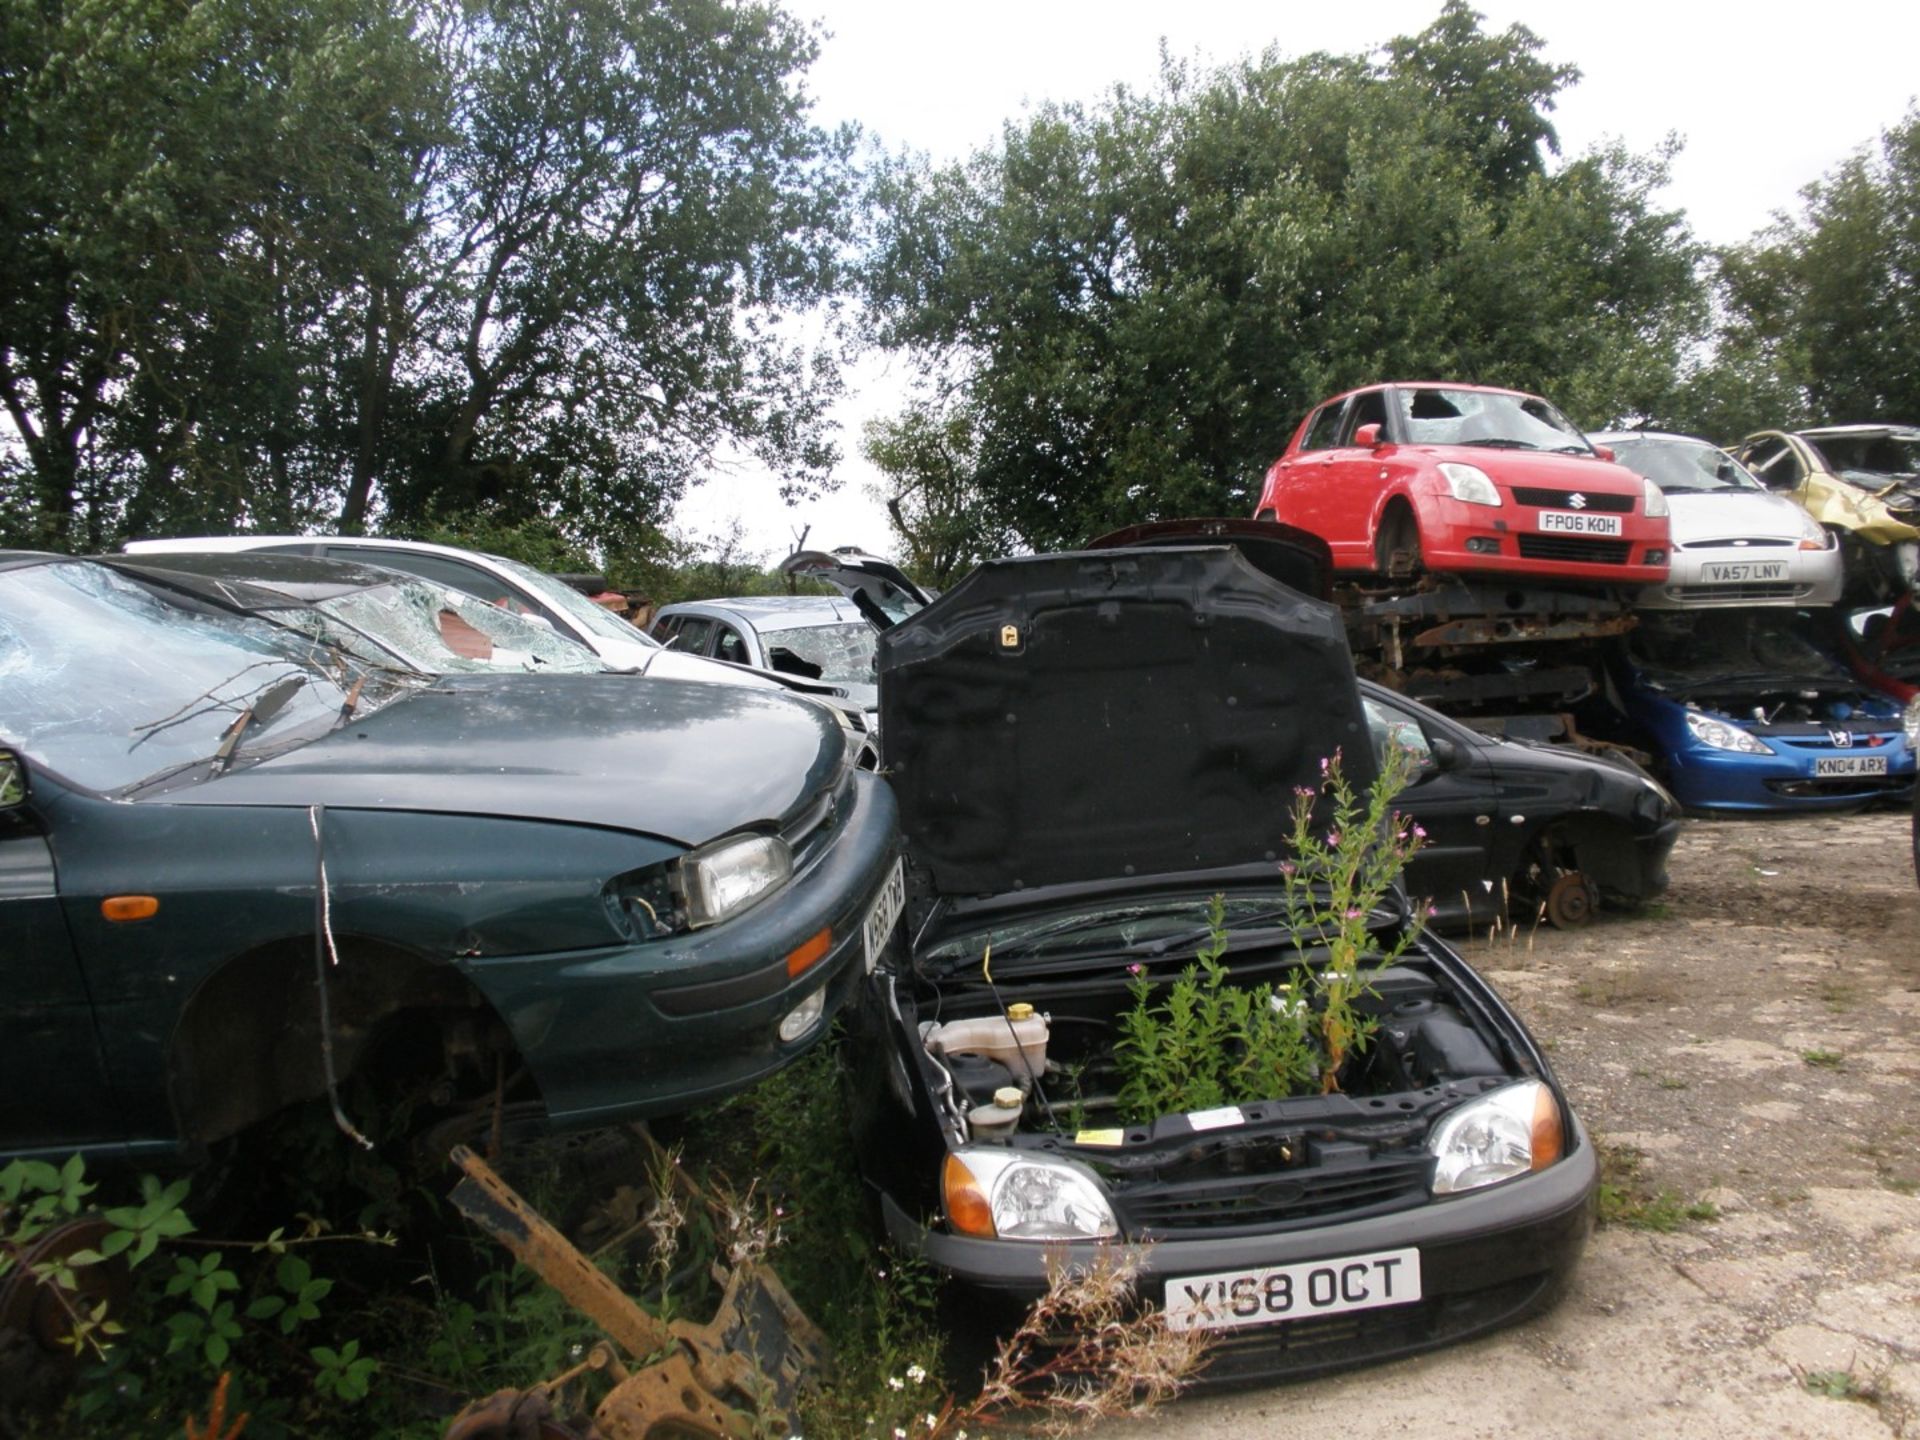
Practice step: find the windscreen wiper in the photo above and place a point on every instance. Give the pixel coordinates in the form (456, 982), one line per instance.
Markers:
(270, 703)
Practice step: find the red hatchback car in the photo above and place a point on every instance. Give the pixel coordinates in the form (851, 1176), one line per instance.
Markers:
(1419, 476)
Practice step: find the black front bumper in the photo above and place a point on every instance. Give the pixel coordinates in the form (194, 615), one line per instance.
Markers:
(1487, 1259)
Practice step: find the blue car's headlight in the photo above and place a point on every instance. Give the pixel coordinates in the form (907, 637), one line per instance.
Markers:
(1719, 735)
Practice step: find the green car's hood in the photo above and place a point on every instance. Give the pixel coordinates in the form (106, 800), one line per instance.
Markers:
(681, 761)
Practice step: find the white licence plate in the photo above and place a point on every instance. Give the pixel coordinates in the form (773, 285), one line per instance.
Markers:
(1293, 1292)
(1575, 522)
(1844, 765)
(883, 915)
(1744, 570)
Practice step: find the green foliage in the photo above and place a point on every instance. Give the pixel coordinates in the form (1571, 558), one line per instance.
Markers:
(1823, 308)
(1208, 1042)
(928, 459)
(344, 1374)
(266, 266)
(1205, 1041)
(1137, 301)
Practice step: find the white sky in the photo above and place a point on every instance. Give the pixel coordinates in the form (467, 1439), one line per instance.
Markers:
(1767, 96)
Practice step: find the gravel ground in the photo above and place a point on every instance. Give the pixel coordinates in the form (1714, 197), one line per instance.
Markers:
(1751, 1043)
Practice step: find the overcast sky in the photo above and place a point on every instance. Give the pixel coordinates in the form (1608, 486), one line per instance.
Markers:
(1765, 96)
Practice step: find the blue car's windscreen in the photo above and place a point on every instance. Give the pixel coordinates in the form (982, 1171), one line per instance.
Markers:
(108, 685)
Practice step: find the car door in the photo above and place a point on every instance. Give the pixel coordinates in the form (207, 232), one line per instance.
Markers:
(53, 1084)
(1451, 797)
(1341, 493)
(1292, 481)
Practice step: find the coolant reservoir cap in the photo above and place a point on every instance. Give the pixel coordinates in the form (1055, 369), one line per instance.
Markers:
(1020, 1010)
(1008, 1097)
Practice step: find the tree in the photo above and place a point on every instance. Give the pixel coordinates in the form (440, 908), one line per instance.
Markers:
(1143, 297)
(927, 458)
(1823, 308)
(393, 261)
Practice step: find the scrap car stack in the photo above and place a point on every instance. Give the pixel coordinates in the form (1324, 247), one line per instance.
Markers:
(277, 811)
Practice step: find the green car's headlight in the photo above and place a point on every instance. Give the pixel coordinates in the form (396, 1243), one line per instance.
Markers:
(718, 881)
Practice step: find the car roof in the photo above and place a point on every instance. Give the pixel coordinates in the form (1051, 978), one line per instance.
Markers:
(1615, 437)
(237, 543)
(1434, 385)
(776, 611)
(304, 579)
(1835, 432)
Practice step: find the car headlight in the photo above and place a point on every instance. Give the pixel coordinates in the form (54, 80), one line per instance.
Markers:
(1719, 735)
(720, 880)
(1813, 535)
(1514, 1130)
(997, 1193)
(1469, 483)
(1912, 721)
(1656, 498)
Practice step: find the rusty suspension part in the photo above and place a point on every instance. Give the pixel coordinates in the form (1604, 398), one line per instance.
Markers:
(730, 1379)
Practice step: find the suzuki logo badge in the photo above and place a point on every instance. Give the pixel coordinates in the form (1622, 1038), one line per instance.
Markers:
(1577, 500)
(1842, 739)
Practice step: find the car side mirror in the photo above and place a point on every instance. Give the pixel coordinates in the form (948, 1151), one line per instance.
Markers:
(1605, 452)
(1369, 437)
(13, 781)
(1446, 754)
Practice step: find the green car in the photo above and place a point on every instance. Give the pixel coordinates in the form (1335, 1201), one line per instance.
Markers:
(239, 865)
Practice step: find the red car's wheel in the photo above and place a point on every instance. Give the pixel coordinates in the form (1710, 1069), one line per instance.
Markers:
(1397, 546)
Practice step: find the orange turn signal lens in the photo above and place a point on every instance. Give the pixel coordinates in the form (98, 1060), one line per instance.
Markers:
(129, 907)
(1549, 1141)
(808, 954)
(968, 1209)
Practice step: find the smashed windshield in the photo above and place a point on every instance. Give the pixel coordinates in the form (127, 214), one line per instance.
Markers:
(1493, 418)
(1874, 461)
(441, 631)
(1683, 467)
(843, 652)
(1681, 648)
(594, 619)
(106, 683)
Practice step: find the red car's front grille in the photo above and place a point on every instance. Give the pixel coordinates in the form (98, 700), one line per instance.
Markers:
(1563, 500)
(1563, 547)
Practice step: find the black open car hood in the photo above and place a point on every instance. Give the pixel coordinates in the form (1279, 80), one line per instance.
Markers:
(1055, 719)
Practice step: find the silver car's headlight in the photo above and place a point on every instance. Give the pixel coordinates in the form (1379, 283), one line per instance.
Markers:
(1469, 483)
(1514, 1130)
(1657, 507)
(996, 1193)
(720, 880)
(1719, 735)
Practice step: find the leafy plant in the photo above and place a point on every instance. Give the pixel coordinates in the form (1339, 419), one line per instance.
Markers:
(1205, 1040)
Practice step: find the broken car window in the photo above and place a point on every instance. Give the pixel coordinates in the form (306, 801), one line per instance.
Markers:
(444, 631)
(1437, 416)
(1682, 467)
(107, 684)
(843, 652)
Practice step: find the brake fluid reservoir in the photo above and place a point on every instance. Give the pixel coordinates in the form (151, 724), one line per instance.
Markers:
(998, 1120)
(1017, 1039)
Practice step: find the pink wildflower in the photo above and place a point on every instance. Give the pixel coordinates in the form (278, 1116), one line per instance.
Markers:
(1333, 838)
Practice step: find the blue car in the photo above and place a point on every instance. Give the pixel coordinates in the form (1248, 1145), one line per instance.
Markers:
(1745, 711)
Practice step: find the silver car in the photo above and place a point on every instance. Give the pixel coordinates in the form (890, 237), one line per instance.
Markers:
(1735, 543)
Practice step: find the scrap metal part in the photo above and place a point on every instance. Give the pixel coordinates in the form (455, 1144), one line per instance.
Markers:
(733, 1378)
